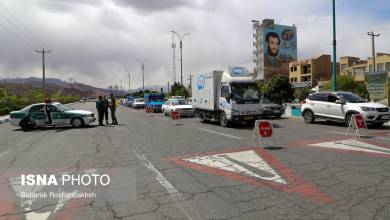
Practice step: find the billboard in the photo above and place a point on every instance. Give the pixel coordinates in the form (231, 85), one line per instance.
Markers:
(280, 48)
(377, 86)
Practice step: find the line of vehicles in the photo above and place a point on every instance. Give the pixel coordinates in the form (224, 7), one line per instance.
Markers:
(226, 97)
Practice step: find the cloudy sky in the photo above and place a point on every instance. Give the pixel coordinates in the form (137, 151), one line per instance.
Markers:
(98, 41)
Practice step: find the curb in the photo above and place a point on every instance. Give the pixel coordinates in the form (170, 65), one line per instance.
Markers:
(3, 121)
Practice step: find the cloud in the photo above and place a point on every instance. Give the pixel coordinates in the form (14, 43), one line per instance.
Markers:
(94, 40)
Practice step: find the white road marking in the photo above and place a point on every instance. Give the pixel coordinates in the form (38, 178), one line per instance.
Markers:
(219, 133)
(382, 138)
(162, 118)
(179, 200)
(355, 145)
(4, 153)
(231, 162)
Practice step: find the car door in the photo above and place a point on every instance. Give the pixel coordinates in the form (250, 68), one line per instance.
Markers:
(318, 103)
(333, 109)
(57, 116)
(37, 113)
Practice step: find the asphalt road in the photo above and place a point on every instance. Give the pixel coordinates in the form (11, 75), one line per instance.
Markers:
(188, 170)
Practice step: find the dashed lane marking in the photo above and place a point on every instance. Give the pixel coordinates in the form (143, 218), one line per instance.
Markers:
(179, 200)
(219, 133)
(4, 153)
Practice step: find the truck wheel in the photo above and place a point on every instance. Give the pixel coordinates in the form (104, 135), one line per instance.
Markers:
(223, 120)
(77, 122)
(202, 117)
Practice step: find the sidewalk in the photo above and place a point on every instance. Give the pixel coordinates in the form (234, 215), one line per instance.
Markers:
(4, 119)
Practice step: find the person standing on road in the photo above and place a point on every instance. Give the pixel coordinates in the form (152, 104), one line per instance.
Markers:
(100, 110)
(106, 104)
(113, 109)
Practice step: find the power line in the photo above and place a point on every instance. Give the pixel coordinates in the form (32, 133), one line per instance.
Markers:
(18, 36)
(19, 26)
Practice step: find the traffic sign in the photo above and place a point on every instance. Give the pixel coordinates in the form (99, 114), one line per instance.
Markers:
(357, 122)
(265, 129)
(175, 115)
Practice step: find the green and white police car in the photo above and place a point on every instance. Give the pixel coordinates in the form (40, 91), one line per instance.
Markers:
(50, 114)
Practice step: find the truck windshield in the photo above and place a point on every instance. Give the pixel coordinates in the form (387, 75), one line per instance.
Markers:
(245, 91)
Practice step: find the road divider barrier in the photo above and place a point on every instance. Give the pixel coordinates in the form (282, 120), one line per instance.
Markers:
(264, 132)
(357, 122)
(175, 116)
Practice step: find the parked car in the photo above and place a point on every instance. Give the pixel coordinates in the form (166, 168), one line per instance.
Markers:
(340, 106)
(50, 114)
(268, 108)
(177, 97)
(138, 103)
(189, 100)
(154, 101)
(180, 105)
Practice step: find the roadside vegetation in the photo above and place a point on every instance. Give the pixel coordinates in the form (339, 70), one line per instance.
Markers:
(10, 101)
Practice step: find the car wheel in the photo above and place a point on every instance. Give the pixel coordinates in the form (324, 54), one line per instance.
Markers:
(308, 117)
(165, 113)
(223, 120)
(77, 122)
(278, 116)
(377, 125)
(25, 125)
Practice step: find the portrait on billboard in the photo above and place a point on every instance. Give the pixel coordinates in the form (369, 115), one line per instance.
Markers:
(280, 48)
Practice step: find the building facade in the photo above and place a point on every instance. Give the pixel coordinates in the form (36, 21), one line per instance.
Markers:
(274, 46)
(357, 68)
(308, 73)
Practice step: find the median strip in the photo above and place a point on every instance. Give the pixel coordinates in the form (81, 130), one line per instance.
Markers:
(223, 134)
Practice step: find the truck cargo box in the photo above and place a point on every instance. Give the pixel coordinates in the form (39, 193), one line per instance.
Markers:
(205, 90)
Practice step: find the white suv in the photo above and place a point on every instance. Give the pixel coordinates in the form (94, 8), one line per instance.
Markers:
(340, 106)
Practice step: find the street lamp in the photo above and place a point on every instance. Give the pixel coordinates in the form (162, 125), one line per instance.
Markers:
(142, 62)
(181, 53)
(334, 47)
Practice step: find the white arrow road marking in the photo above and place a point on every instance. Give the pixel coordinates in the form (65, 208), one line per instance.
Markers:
(354, 145)
(4, 153)
(219, 133)
(244, 162)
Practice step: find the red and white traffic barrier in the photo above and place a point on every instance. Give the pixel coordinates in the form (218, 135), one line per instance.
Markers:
(263, 131)
(357, 122)
(148, 109)
(175, 116)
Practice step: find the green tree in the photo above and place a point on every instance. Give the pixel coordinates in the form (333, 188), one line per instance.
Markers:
(278, 89)
(347, 83)
(179, 90)
(301, 93)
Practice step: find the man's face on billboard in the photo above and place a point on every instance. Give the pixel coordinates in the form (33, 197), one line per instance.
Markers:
(273, 46)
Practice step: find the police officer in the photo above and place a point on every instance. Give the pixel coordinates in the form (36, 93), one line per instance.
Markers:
(106, 105)
(113, 109)
(100, 110)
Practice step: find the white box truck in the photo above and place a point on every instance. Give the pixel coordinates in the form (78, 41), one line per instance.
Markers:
(226, 96)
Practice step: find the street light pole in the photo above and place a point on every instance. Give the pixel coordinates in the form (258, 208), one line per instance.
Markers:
(334, 47)
(181, 53)
(142, 62)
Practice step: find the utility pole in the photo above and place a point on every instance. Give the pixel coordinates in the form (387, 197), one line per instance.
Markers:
(43, 51)
(129, 84)
(121, 88)
(142, 62)
(334, 69)
(373, 35)
(181, 54)
(168, 86)
(70, 81)
(173, 57)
